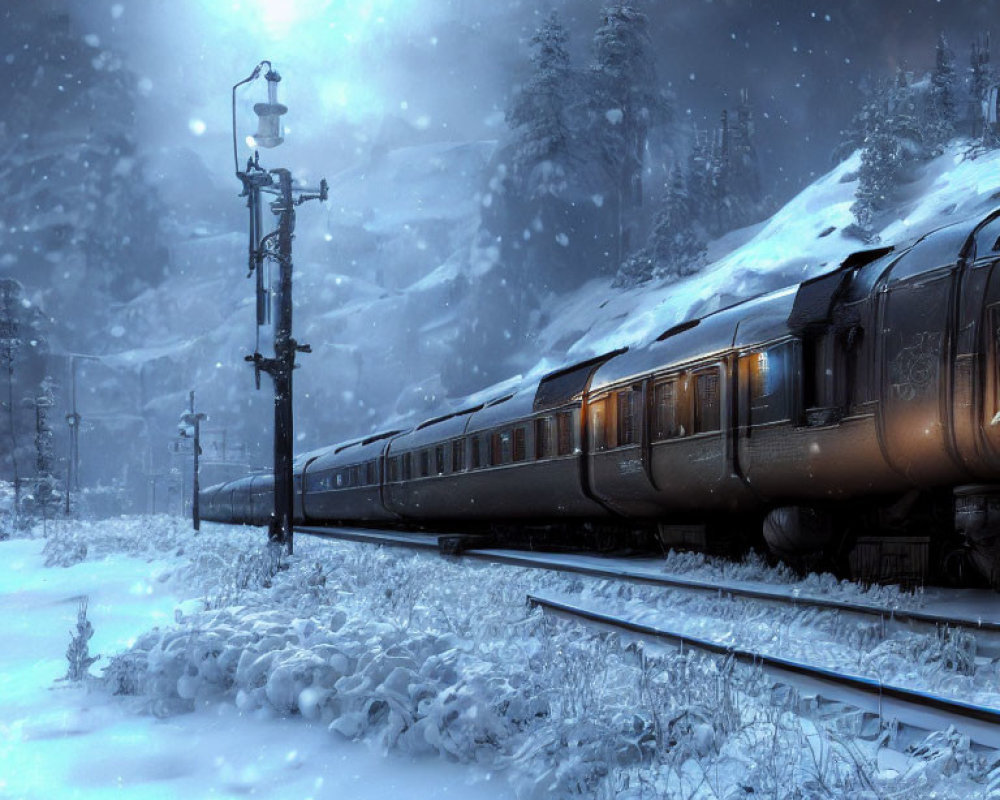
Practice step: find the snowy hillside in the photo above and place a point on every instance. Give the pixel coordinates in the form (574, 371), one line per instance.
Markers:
(803, 239)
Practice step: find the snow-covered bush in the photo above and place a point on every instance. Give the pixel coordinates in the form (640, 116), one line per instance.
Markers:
(78, 652)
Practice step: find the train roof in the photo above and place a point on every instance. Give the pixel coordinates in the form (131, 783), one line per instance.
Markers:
(799, 308)
(504, 409)
(435, 429)
(353, 452)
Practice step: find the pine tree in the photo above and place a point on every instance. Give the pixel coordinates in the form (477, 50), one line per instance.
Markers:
(79, 215)
(676, 243)
(538, 111)
(980, 78)
(944, 108)
(624, 103)
(78, 652)
(10, 345)
(676, 246)
(44, 490)
(880, 162)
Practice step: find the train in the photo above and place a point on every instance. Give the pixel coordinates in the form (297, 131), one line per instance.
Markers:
(853, 418)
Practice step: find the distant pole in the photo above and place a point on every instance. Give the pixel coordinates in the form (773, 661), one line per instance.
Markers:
(194, 420)
(73, 421)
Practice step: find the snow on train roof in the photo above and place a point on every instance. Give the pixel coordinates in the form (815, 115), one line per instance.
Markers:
(764, 317)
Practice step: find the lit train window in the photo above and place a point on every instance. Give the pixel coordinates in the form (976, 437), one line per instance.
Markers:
(564, 433)
(598, 426)
(665, 420)
(707, 410)
(520, 443)
(543, 438)
(458, 455)
(769, 394)
(628, 416)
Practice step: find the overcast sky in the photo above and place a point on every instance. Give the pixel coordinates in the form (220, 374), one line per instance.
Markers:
(447, 66)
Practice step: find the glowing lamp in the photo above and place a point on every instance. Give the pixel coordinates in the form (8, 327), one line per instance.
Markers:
(269, 128)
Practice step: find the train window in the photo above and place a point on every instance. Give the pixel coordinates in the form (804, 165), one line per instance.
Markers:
(439, 459)
(629, 403)
(407, 466)
(392, 469)
(666, 419)
(500, 448)
(457, 455)
(598, 425)
(769, 395)
(543, 438)
(425, 463)
(564, 433)
(707, 409)
(341, 479)
(520, 443)
(371, 473)
(474, 457)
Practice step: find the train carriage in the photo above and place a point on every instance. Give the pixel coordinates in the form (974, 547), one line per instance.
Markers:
(872, 391)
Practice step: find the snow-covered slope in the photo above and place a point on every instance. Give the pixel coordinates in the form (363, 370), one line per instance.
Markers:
(803, 239)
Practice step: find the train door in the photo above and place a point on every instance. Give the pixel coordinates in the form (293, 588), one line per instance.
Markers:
(978, 361)
(916, 322)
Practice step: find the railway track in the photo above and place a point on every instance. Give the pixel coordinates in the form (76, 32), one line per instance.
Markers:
(647, 572)
(920, 710)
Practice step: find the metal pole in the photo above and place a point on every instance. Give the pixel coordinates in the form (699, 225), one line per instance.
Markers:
(280, 529)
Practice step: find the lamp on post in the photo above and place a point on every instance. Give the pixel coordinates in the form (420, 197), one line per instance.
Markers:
(191, 420)
(275, 246)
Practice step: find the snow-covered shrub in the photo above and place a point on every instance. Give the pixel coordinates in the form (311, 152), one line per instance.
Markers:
(78, 652)
(61, 551)
(251, 570)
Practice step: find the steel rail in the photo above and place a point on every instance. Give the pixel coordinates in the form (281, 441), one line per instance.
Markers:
(917, 709)
(554, 562)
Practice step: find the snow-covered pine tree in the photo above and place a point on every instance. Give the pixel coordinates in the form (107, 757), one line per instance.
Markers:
(538, 111)
(894, 141)
(624, 102)
(880, 161)
(744, 166)
(940, 126)
(979, 80)
(23, 363)
(676, 245)
(10, 345)
(45, 495)
(78, 652)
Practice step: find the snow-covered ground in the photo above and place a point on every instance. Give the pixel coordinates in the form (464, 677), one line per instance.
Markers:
(353, 671)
